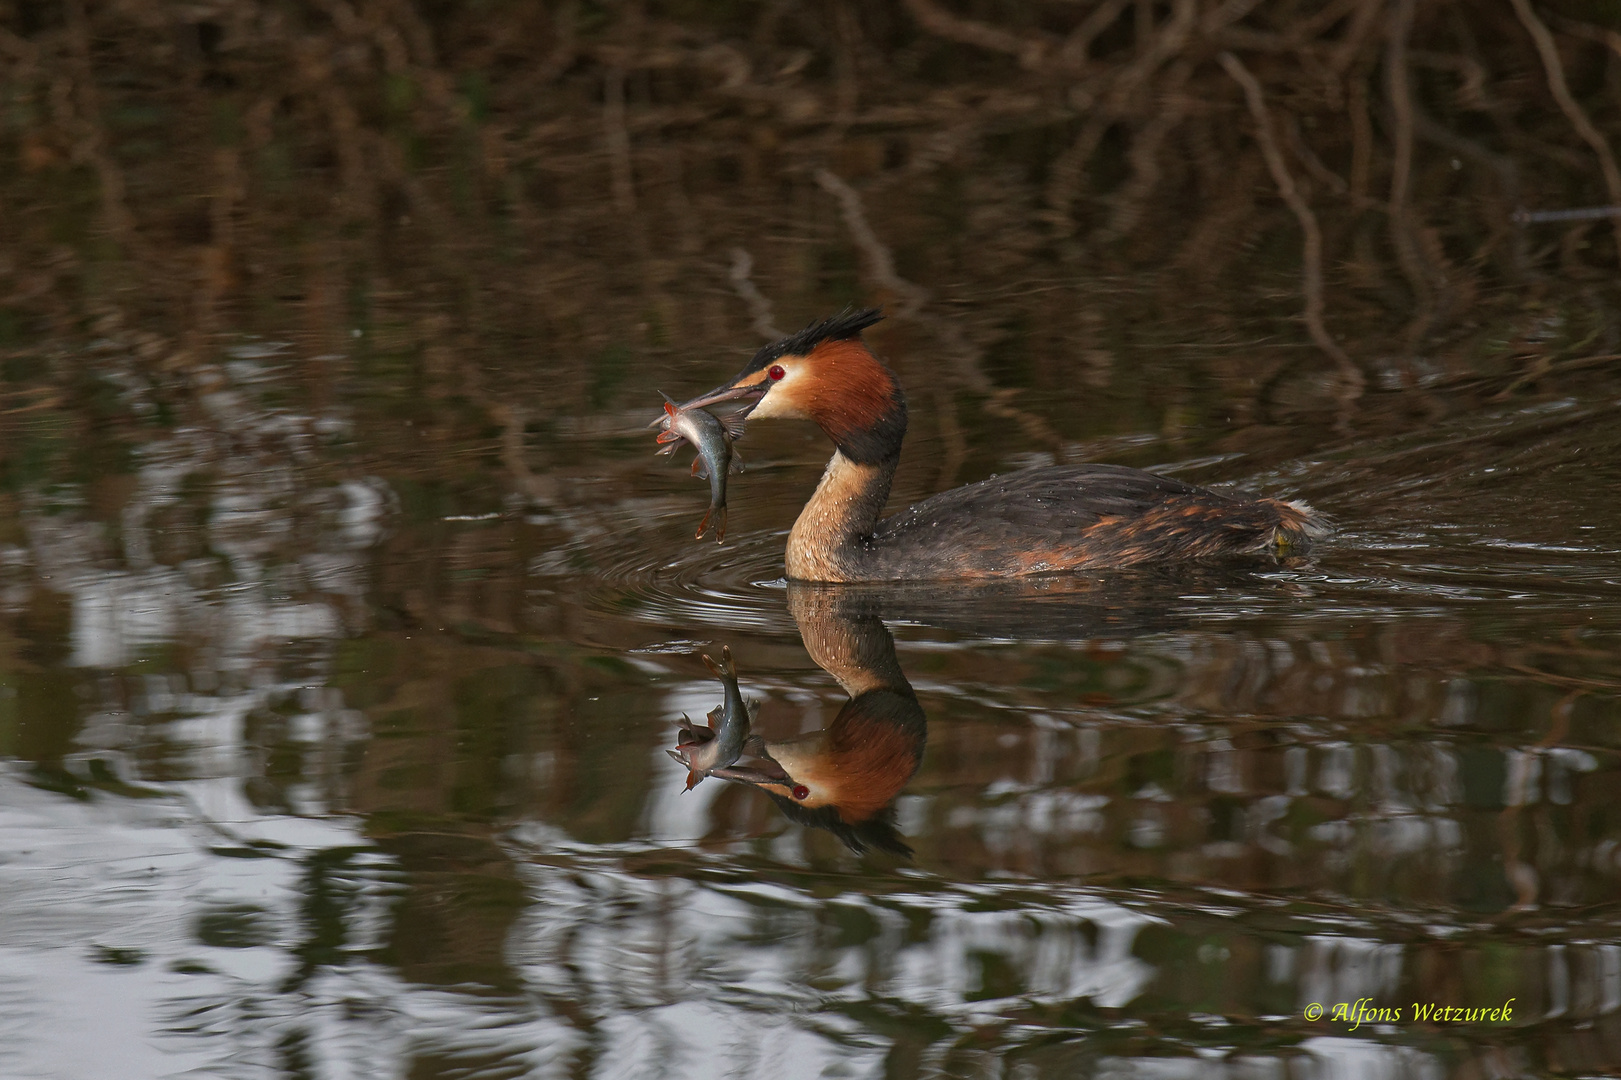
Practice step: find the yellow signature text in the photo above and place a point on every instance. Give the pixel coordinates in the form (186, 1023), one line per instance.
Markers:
(1364, 1011)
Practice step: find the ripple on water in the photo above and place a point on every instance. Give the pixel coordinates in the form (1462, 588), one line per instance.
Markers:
(1455, 539)
(739, 588)
(642, 575)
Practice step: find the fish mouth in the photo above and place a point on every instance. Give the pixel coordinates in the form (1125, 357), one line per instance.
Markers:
(667, 416)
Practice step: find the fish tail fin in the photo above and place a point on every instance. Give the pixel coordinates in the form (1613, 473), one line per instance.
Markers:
(723, 669)
(720, 527)
(704, 524)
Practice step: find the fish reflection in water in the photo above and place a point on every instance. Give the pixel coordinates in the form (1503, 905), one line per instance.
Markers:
(713, 750)
(845, 777)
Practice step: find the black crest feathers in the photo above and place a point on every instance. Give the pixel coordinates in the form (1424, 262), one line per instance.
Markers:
(845, 325)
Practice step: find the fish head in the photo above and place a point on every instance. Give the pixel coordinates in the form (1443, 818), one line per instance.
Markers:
(693, 775)
(670, 423)
(671, 410)
(698, 757)
(691, 733)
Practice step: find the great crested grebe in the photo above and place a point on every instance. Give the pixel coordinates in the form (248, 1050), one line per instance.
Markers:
(1056, 517)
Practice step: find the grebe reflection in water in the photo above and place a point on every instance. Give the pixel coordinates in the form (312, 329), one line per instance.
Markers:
(843, 778)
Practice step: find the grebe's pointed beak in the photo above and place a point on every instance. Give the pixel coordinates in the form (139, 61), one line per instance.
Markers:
(761, 769)
(746, 389)
(758, 774)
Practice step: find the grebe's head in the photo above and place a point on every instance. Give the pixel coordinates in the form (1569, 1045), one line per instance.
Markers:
(845, 777)
(826, 374)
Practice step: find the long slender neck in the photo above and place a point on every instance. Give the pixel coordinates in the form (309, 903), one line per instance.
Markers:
(828, 541)
(841, 629)
(857, 403)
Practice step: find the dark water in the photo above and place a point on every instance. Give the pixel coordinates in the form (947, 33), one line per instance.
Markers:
(314, 767)
(346, 615)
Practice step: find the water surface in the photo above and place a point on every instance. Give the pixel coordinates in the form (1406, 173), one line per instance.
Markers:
(346, 615)
(309, 771)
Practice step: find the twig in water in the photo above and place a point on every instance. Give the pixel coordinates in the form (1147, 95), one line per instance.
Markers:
(1308, 157)
(1073, 54)
(1400, 93)
(1361, 179)
(1345, 53)
(93, 142)
(1031, 52)
(613, 120)
(1312, 252)
(743, 285)
(565, 46)
(1144, 157)
(911, 300)
(1608, 38)
(1580, 213)
(1068, 171)
(1573, 112)
(909, 297)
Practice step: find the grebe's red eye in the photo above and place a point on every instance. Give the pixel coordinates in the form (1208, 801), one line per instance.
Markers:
(801, 791)
(774, 374)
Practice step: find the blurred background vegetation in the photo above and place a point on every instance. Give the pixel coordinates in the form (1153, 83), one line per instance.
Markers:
(452, 197)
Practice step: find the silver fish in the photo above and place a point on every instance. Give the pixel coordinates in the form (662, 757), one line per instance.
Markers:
(713, 438)
(703, 750)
